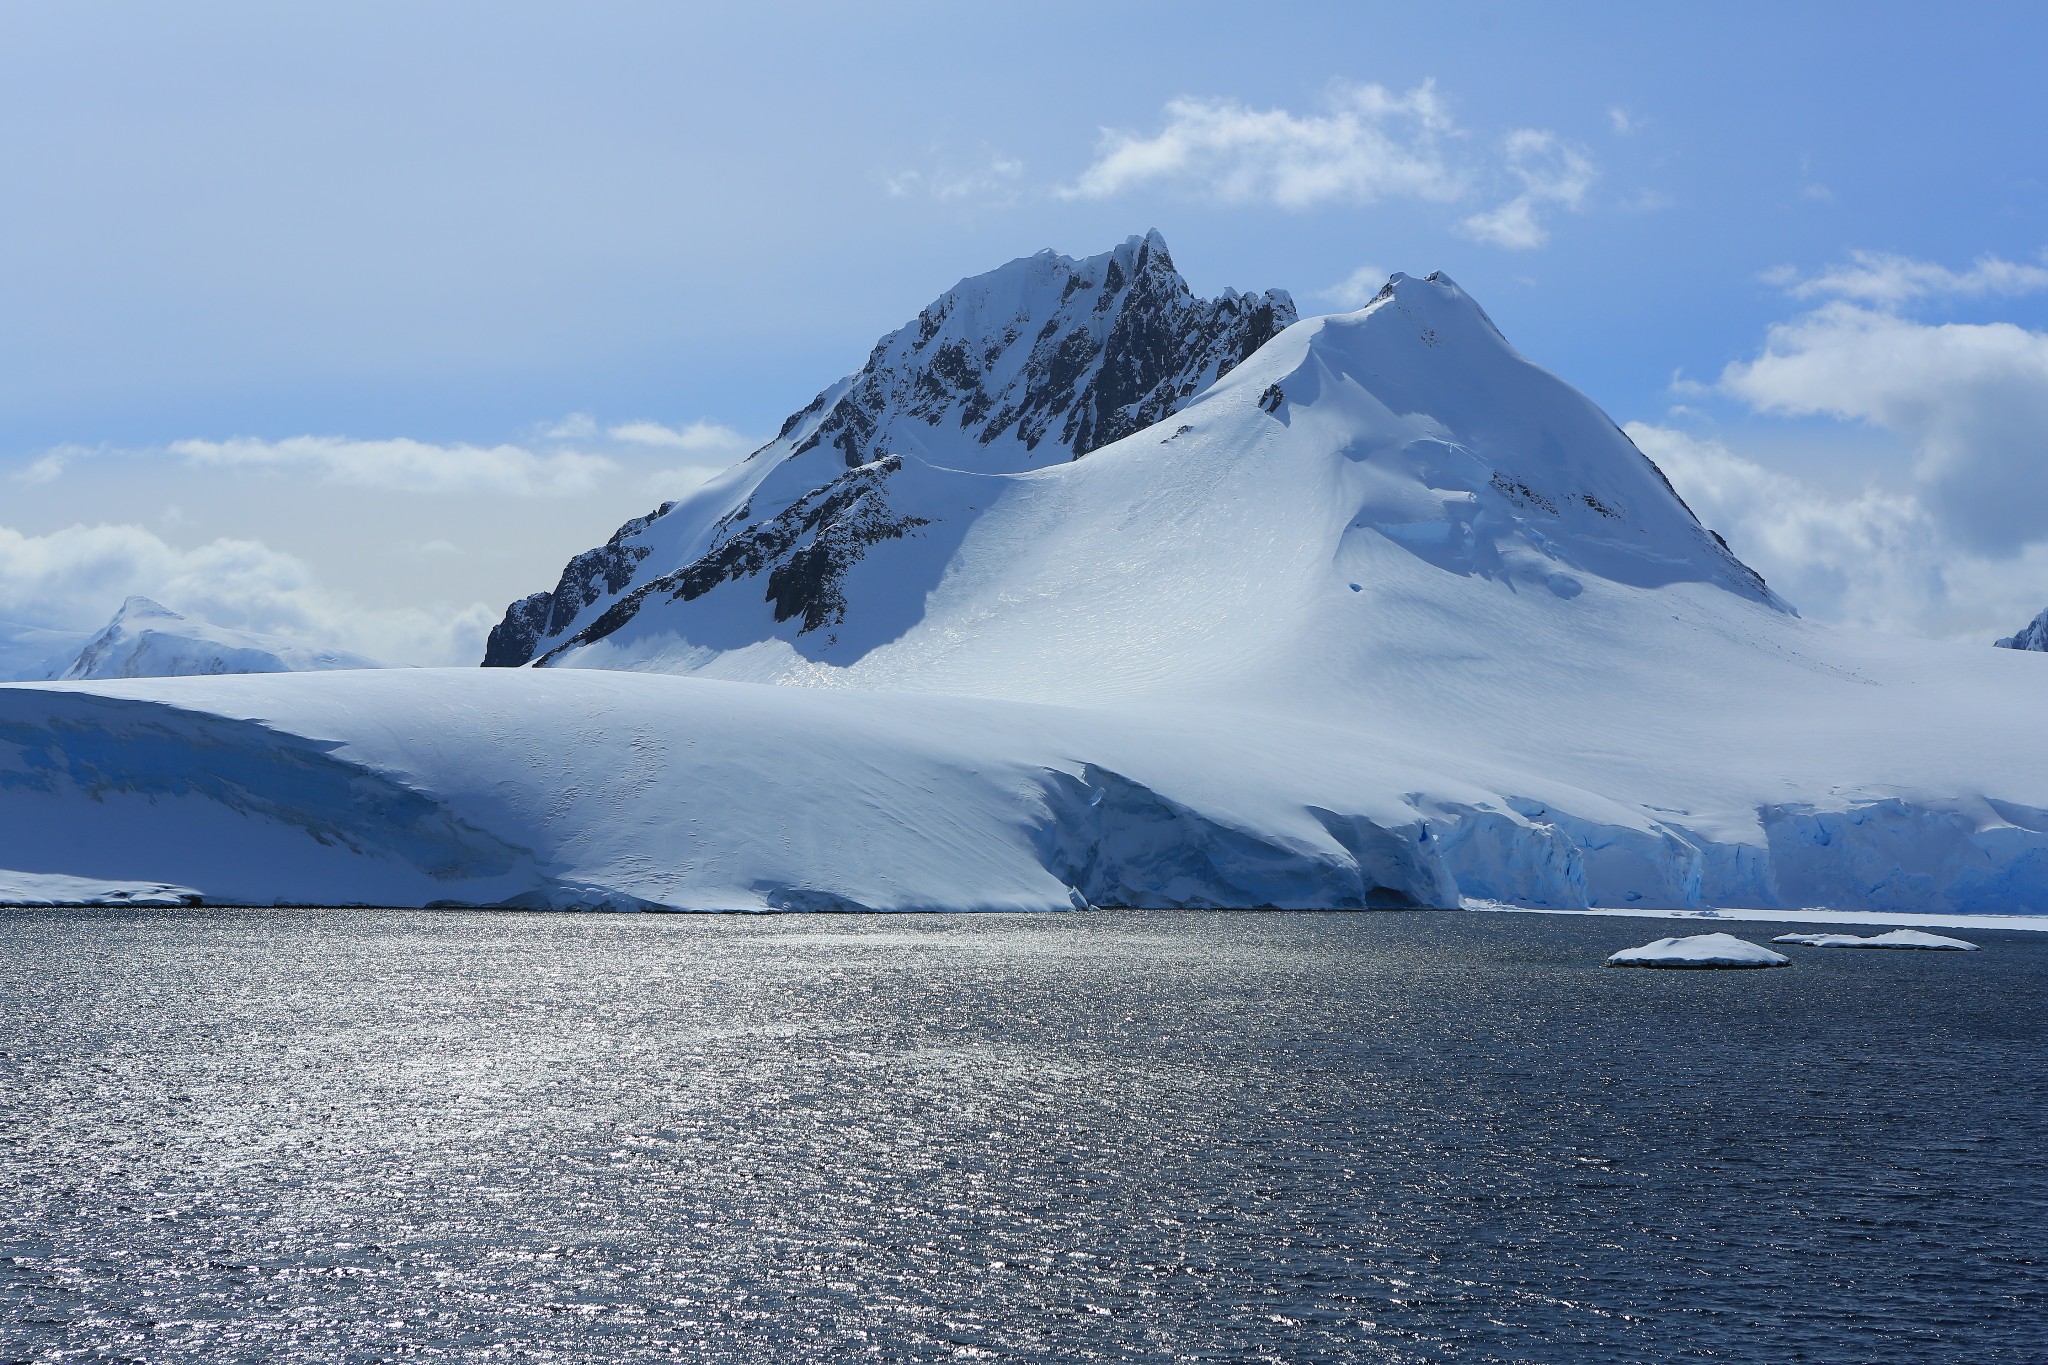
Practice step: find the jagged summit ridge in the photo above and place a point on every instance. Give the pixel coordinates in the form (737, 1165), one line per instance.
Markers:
(1044, 350)
(1037, 362)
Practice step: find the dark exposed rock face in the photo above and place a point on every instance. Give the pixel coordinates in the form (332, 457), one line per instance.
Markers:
(805, 551)
(1044, 359)
(589, 576)
(1124, 345)
(2033, 636)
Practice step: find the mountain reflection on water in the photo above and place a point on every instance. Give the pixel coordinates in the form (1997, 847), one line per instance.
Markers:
(353, 1135)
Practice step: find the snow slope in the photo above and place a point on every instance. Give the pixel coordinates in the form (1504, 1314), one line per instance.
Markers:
(1035, 363)
(1386, 616)
(148, 640)
(34, 654)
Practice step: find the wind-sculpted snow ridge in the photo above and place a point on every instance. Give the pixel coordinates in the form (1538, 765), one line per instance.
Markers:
(1386, 616)
(2033, 637)
(1041, 361)
(148, 640)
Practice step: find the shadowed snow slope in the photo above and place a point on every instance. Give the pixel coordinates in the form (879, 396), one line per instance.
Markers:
(1386, 616)
(148, 640)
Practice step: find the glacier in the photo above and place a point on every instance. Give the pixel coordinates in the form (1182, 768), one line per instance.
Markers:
(1380, 615)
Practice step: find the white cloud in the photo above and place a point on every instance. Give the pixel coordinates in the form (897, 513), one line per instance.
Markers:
(1552, 172)
(75, 578)
(1369, 144)
(1971, 398)
(706, 438)
(1356, 289)
(404, 465)
(577, 426)
(1882, 279)
(985, 174)
(1872, 557)
(50, 465)
(1624, 123)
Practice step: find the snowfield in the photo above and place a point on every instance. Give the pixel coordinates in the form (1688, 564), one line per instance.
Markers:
(1388, 616)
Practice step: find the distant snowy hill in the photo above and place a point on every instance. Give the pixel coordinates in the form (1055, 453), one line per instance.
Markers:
(2034, 636)
(1030, 365)
(1385, 615)
(33, 653)
(148, 640)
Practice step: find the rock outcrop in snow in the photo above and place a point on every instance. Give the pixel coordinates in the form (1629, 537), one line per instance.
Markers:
(1043, 360)
(148, 640)
(2033, 636)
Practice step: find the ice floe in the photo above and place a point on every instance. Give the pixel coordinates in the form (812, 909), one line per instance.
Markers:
(1897, 938)
(1699, 950)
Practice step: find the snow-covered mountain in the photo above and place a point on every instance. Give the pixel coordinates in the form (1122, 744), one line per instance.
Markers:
(35, 653)
(1038, 362)
(2034, 635)
(1412, 424)
(148, 640)
(1386, 615)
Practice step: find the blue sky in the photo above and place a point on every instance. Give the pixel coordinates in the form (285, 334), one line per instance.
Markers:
(359, 319)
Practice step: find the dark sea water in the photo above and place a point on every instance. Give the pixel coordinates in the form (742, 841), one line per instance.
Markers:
(357, 1136)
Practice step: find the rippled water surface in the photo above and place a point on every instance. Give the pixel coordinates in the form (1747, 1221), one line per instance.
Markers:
(350, 1135)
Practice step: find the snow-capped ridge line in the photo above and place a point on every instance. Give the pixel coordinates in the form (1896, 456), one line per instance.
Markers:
(146, 639)
(1037, 362)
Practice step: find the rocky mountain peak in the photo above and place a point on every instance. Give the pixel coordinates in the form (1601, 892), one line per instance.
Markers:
(1036, 362)
(2034, 635)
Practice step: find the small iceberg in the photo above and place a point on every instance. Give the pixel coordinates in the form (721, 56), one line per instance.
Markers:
(1897, 938)
(1700, 950)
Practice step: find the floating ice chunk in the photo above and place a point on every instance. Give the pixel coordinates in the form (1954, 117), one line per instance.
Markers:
(1700, 950)
(1897, 938)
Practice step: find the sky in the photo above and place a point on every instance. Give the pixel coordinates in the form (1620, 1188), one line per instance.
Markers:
(354, 321)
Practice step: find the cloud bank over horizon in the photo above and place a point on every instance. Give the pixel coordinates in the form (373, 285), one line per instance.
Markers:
(1959, 547)
(405, 526)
